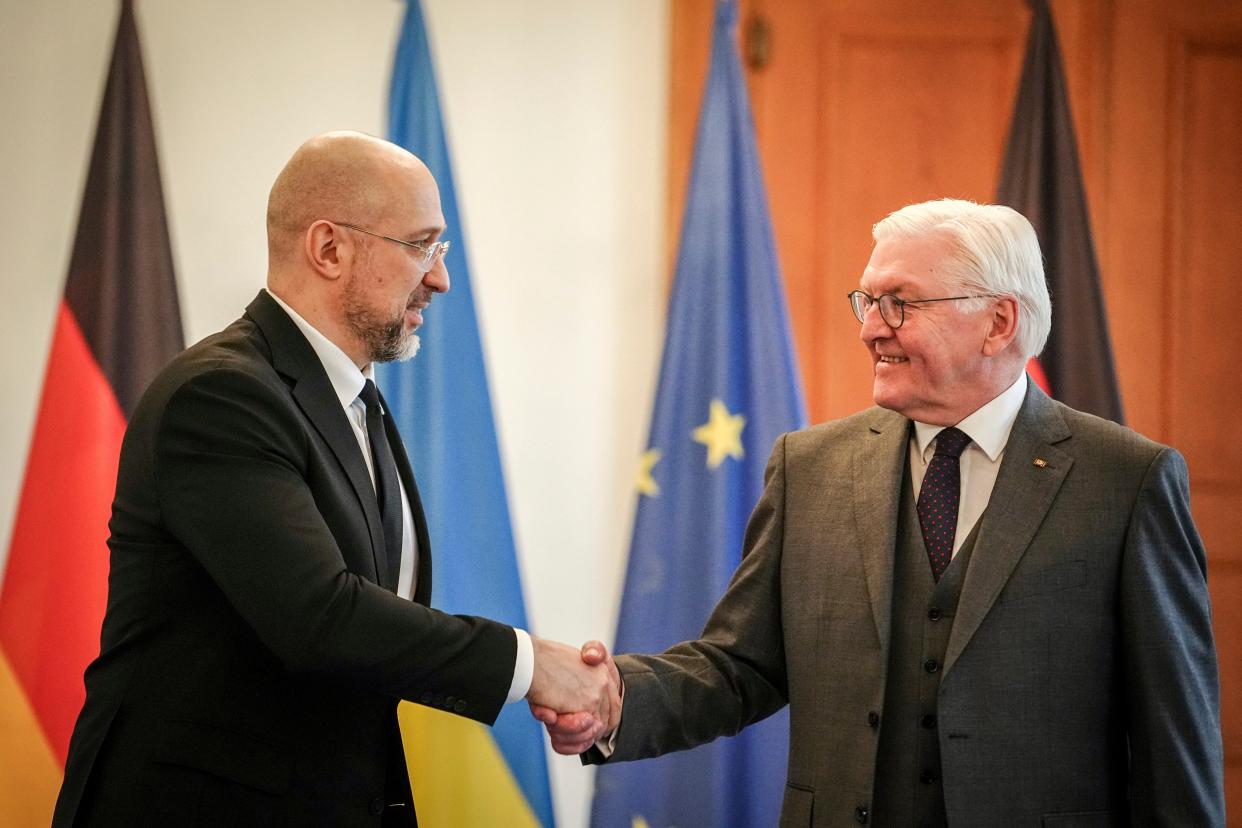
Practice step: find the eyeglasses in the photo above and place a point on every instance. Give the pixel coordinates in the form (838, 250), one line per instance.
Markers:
(432, 252)
(892, 309)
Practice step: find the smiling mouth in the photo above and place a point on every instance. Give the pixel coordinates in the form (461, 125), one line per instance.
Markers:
(891, 360)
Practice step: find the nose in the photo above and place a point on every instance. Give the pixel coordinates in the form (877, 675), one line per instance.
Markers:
(437, 279)
(874, 327)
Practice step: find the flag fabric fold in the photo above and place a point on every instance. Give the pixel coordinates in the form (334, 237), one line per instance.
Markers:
(462, 773)
(729, 386)
(118, 323)
(1041, 178)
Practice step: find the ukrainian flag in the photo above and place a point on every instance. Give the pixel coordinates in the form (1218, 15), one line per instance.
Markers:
(463, 774)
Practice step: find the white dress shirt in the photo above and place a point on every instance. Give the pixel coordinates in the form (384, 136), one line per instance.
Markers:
(347, 381)
(988, 429)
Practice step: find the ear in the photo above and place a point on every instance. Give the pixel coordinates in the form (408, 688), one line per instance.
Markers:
(328, 250)
(1002, 326)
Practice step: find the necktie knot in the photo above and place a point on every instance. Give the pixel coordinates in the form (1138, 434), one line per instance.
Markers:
(951, 442)
(370, 396)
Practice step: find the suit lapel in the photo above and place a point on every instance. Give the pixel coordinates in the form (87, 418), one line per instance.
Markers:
(294, 358)
(878, 474)
(1021, 499)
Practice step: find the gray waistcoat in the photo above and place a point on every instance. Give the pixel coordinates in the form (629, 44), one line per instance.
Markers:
(908, 790)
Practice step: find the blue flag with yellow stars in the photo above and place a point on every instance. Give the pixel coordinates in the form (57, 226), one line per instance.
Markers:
(729, 386)
(462, 773)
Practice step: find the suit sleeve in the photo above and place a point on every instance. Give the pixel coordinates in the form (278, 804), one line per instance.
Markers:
(1170, 658)
(230, 467)
(732, 676)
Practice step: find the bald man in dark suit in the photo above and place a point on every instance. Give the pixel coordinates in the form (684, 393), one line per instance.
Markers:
(271, 565)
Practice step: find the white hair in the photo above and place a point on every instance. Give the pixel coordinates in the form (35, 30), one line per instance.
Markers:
(994, 251)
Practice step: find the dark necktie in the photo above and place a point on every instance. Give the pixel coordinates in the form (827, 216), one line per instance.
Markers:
(387, 489)
(939, 497)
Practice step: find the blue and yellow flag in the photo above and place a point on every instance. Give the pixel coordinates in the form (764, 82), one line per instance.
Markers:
(729, 385)
(463, 774)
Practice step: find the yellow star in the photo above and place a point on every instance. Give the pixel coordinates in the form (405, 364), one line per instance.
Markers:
(638, 822)
(722, 434)
(643, 480)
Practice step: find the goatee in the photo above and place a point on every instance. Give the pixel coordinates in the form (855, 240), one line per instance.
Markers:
(384, 340)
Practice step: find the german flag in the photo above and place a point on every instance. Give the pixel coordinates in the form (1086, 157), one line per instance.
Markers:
(118, 323)
(1042, 180)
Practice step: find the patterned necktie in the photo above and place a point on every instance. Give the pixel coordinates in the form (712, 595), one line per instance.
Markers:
(387, 489)
(938, 499)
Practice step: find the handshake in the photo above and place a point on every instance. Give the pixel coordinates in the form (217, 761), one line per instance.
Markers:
(575, 693)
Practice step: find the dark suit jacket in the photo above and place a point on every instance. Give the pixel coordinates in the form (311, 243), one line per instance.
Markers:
(1080, 682)
(251, 659)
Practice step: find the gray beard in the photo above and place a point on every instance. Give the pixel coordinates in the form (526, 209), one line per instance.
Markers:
(388, 343)
(385, 341)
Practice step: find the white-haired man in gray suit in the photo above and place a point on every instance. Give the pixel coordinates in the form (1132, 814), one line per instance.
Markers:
(983, 608)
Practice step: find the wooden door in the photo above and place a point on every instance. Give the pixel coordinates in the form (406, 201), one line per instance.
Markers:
(866, 105)
(1172, 248)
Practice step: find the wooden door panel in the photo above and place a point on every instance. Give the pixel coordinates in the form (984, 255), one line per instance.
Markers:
(1174, 239)
(911, 109)
(1215, 507)
(1206, 248)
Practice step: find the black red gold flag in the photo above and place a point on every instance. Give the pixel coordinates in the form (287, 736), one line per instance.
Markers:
(118, 323)
(1041, 178)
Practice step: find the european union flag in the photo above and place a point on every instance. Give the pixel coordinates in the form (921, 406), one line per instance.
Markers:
(443, 407)
(729, 385)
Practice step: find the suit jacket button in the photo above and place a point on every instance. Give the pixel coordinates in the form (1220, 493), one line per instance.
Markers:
(449, 701)
(928, 722)
(927, 777)
(931, 665)
(425, 698)
(873, 719)
(935, 613)
(460, 707)
(377, 806)
(861, 814)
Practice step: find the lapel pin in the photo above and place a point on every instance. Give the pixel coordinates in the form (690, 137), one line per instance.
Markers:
(1040, 462)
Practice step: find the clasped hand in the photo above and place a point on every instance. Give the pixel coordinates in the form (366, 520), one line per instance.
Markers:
(575, 693)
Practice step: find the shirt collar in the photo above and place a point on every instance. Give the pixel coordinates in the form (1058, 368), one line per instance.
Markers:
(347, 381)
(988, 426)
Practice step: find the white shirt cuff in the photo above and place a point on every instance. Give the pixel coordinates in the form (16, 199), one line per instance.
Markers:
(523, 667)
(608, 744)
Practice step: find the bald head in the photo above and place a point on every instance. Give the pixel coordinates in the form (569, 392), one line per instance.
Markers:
(339, 176)
(348, 224)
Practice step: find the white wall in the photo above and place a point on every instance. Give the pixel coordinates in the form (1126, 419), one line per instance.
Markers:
(556, 114)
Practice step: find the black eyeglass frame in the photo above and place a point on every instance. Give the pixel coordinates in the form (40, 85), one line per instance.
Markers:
(860, 312)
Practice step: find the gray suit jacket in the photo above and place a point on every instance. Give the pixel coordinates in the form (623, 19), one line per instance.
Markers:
(1080, 684)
